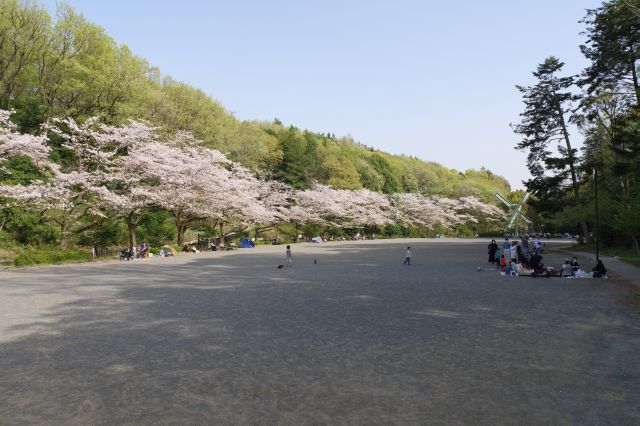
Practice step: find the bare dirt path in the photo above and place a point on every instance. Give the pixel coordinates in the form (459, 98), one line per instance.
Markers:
(355, 337)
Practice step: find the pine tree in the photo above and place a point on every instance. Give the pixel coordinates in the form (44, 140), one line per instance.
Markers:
(544, 121)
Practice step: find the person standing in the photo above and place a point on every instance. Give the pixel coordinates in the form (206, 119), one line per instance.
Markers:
(520, 254)
(289, 256)
(525, 251)
(514, 251)
(407, 257)
(492, 248)
(537, 245)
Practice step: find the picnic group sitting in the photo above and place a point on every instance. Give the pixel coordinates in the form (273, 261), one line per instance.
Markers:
(190, 248)
(524, 258)
(129, 253)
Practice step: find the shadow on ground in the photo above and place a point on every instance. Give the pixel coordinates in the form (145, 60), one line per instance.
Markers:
(354, 338)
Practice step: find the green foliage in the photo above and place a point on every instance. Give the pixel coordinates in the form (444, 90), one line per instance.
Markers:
(380, 164)
(613, 48)
(156, 228)
(27, 228)
(294, 157)
(544, 123)
(20, 170)
(50, 255)
(609, 119)
(108, 233)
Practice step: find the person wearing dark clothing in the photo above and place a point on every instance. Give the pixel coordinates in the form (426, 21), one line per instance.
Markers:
(520, 254)
(493, 247)
(535, 263)
(599, 270)
(574, 264)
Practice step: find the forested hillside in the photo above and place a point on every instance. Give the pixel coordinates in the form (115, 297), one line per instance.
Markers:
(98, 148)
(65, 66)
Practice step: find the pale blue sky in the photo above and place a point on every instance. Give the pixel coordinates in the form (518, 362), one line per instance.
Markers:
(432, 79)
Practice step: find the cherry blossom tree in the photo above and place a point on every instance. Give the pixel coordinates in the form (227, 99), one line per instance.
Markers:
(106, 156)
(427, 212)
(14, 143)
(125, 170)
(276, 201)
(67, 198)
(190, 182)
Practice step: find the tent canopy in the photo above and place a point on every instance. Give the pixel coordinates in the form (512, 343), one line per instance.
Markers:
(170, 249)
(246, 243)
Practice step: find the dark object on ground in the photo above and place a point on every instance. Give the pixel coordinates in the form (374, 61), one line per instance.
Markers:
(280, 266)
(126, 254)
(599, 269)
(536, 264)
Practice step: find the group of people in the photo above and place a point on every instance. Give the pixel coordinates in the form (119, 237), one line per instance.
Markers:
(515, 252)
(571, 268)
(129, 253)
(527, 254)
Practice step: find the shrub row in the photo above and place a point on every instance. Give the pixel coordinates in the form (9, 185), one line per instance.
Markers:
(51, 256)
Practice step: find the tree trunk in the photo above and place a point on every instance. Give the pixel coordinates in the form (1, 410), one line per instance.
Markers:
(132, 235)
(574, 177)
(182, 228)
(259, 230)
(64, 234)
(132, 225)
(63, 241)
(221, 235)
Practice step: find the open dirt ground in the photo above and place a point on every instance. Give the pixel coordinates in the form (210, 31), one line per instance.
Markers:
(348, 335)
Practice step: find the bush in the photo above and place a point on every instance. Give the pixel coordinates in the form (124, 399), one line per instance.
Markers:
(44, 256)
(156, 228)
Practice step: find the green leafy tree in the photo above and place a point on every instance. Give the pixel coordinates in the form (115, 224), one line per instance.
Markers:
(391, 183)
(24, 32)
(292, 169)
(613, 47)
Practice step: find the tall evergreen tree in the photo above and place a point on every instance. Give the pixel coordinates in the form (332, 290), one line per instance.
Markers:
(544, 121)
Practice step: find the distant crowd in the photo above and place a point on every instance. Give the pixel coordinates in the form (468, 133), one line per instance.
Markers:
(515, 257)
(515, 252)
